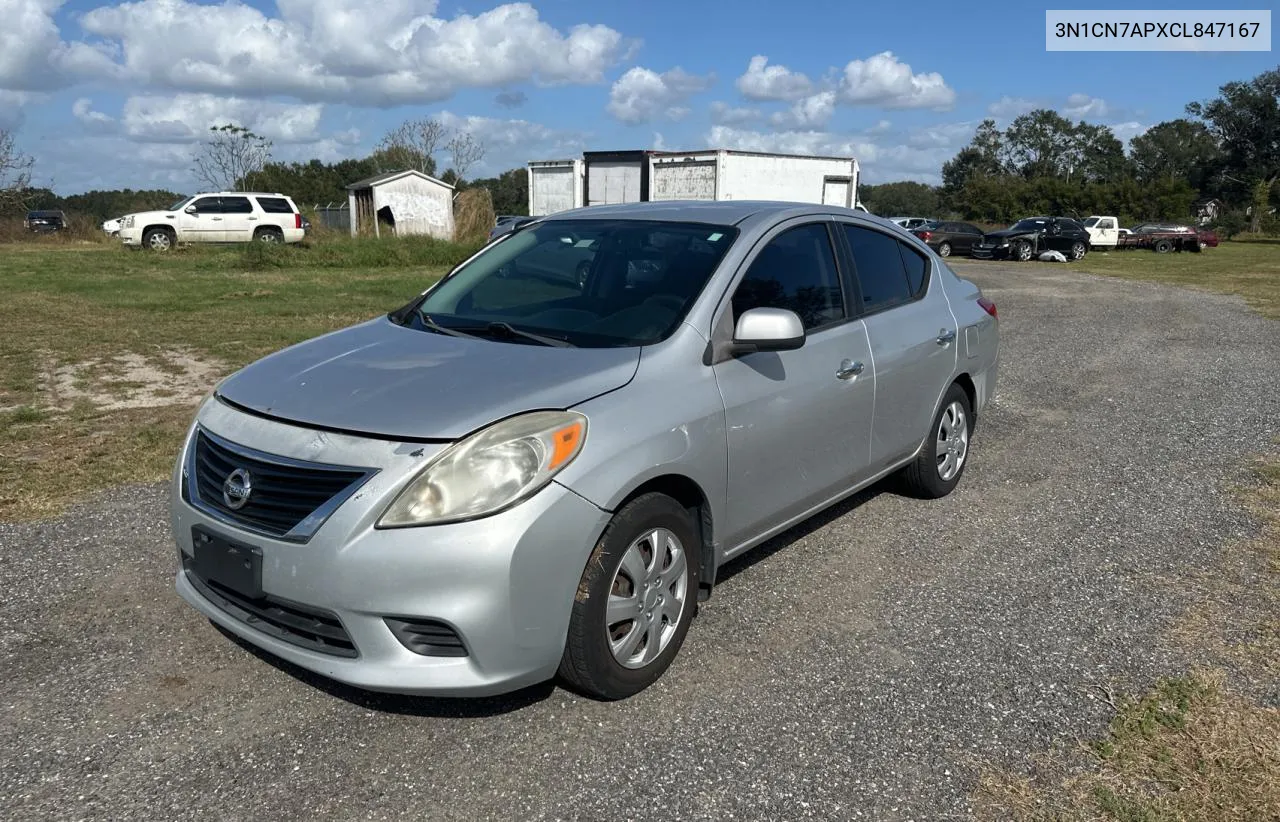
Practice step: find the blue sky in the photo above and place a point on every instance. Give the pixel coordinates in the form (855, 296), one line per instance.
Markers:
(111, 94)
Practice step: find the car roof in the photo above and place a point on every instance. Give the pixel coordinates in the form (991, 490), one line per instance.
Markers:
(721, 212)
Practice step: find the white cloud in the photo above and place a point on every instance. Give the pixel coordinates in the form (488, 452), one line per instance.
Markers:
(188, 118)
(807, 112)
(1127, 131)
(82, 110)
(724, 114)
(765, 82)
(512, 143)
(1080, 106)
(642, 94)
(336, 50)
(883, 80)
(1007, 107)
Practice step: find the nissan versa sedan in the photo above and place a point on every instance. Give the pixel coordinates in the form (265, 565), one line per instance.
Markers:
(525, 473)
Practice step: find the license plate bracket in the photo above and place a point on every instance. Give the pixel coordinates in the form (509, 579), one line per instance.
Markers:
(233, 565)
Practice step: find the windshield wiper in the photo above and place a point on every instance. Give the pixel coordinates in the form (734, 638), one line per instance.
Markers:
(495, 327)
(440, 329)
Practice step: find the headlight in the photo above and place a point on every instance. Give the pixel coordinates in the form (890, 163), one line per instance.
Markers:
(491, 470)
(128, 221)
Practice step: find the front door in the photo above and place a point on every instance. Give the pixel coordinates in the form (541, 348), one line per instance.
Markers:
(203, 222)
(912, 335)
(799, 421)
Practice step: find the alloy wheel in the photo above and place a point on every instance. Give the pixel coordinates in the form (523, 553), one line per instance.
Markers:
(647, 598)
(953, 441)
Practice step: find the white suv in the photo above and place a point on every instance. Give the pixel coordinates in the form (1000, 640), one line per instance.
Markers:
(220, 217)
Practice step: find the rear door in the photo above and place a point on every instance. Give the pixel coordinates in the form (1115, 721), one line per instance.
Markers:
(238, 220)
(912, 335)
(798, 422)
(965, 236)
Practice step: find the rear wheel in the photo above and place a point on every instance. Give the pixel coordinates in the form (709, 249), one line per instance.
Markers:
(269, 235)
(941, 462)
(157, 239)
(635, 601)
(1078, 250)
(1163, 246)
(944, 250)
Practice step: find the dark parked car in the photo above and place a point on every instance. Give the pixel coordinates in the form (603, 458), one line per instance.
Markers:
(45, 221)
(949, 238)
(1027, 239)
(1166, 237)
(507, 226)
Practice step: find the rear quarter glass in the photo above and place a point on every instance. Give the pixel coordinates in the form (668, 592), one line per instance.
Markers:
(275, 205)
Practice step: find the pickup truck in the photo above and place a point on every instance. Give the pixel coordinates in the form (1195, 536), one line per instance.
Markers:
(1105, 232)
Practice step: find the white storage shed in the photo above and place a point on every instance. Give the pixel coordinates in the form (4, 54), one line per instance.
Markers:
(402, 202)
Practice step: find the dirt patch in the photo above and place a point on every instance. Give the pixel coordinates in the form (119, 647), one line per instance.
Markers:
(123, 381)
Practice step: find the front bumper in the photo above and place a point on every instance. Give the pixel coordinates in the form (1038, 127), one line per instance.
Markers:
(982, 251)
(504, 584)
(130, 236)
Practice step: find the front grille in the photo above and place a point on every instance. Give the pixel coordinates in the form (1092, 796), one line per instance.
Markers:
(306, 627)
(427, 637)
(287, 498)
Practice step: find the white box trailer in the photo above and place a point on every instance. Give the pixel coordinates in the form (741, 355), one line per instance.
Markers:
(720, 174)
(555, 185)
(608, 177)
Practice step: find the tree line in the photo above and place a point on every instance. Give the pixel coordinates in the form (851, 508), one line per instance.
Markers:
(1227, 148)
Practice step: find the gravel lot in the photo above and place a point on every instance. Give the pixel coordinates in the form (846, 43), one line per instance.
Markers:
(861, 666)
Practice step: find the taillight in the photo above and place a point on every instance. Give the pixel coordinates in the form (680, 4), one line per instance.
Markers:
(297, 219)
(987, 306)
(924, 235)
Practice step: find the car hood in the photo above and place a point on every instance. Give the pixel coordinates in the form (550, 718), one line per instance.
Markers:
(386, 380)
(1005, 234)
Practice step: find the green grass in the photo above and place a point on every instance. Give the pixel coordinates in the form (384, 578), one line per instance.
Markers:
(67, 304)
(1247, 267)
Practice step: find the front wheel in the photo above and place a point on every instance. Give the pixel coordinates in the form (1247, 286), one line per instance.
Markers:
(635, 601)
(944, 250)
(1022, 251)
(157, 239)
(941, 462)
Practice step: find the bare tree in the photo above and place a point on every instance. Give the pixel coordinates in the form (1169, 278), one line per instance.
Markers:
(15, 172)
(464, 152)
(231, 157)
(413, 144)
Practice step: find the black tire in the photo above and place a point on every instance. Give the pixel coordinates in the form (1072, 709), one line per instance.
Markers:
(1163, 246)
(1021, 251)
(922, 478)
(589, 665)
(1078, 250)
(158, 239)
(269, 235)
(944, 250)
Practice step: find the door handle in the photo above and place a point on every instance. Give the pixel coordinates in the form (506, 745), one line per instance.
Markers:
(945, 336)
(216, 219)
(253, 218)
(849, 369)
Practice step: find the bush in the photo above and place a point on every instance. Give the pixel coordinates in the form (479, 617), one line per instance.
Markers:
(1230, 223)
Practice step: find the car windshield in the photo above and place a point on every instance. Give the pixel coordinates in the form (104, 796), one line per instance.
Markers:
(178, 205)
(585, 283)
(1034, 224)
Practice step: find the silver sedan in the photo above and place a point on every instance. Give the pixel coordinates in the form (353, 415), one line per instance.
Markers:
(537, 466)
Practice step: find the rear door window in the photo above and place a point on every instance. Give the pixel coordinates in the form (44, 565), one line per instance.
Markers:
(236, 205)
(882, 277)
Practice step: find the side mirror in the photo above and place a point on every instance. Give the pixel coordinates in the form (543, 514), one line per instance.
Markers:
(768, 329)
(190, 209)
